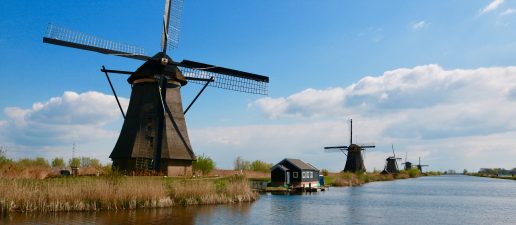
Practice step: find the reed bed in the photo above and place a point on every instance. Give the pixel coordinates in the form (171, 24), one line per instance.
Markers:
(356, 179)
(117, 193)
(27, 172)
(234, 189)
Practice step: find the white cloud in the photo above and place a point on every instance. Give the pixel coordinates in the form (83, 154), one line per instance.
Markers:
(309, 102)
(72, 117)
(508, 12)
(492, 6)
(418, 25)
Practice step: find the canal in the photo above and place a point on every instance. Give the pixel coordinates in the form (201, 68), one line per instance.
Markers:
(425, 200)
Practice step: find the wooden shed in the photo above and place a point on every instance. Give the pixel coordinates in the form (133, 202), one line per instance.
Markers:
(294, 173)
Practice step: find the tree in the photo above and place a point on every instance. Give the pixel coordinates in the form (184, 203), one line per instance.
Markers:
(58, 162)
(203, 164)
(3, 156)
(465, 172)
(90, 162)
(260, 166)
(325, 172)
(242, 164)
(74, 162)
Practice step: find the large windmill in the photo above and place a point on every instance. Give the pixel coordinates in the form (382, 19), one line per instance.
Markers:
(154, 134)
(391, 163)
(419, 166)
(353, 152)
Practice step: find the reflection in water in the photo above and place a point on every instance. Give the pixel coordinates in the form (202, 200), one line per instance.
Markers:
(426, 200)
(175, 215)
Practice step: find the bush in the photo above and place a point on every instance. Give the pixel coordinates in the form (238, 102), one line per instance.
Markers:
(260, 166)
(204, 164)
(3, 158)
(58, 162)
(38, 161)
(74, 162)
(414, 172)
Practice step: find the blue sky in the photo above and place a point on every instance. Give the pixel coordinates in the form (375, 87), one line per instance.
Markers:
(436, 79)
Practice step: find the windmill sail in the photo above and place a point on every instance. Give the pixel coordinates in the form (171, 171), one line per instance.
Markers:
(174, 25)
(171, 24)
(224, 78)
(74, 39)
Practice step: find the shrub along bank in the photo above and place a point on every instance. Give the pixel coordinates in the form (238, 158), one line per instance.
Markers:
(355, 179)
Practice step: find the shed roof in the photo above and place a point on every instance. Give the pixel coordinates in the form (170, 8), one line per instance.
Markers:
(312, 166)
(300, 164)
(279, 166)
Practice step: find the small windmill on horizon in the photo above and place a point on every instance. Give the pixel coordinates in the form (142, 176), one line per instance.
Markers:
(353, 152)
(407, 164)
(154, 134)
(419, 166)
(391, 163)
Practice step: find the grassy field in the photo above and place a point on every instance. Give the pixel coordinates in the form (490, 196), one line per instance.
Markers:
(113, 192)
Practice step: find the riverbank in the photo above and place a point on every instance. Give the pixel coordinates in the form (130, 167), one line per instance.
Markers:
(492, 176)
(357, 179)
(115, 192)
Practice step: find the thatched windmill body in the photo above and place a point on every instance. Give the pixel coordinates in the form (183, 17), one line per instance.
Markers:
(154, 134)
(353, 152)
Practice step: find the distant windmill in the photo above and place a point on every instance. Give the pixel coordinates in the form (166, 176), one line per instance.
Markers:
(154, 134)
(419, 166)
(391, 164)
(353, 152)
(408, 165)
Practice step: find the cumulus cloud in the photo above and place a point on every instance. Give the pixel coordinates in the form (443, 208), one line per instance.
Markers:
(492, 6)
(418, 25)
(422, 87)
(72, 117)
(309, 102)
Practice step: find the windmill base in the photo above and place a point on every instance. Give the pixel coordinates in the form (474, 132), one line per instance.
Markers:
(172, 167)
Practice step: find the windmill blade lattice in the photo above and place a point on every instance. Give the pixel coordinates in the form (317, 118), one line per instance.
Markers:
(334, 149)
(69, 38)
(174, 26)
(233, 82)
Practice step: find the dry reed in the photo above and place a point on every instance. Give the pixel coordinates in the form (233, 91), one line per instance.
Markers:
(356, 179)
(234, 189)
(117, 192)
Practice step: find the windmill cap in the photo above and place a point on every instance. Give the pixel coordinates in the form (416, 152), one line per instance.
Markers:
(153, 66)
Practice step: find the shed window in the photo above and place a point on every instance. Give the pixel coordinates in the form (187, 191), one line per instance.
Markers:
(304, 174)
(311, 174)
(294, 174)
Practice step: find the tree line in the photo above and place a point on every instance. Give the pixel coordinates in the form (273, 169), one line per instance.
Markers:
(203, 165)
